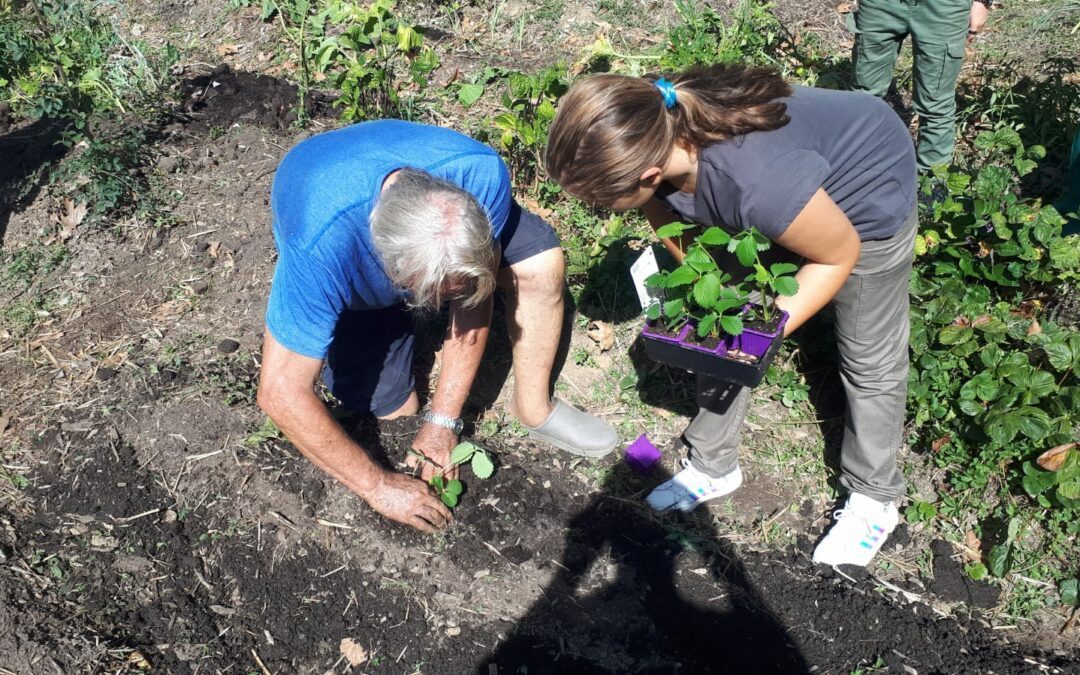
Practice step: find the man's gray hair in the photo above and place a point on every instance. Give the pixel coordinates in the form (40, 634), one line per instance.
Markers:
(430, 232)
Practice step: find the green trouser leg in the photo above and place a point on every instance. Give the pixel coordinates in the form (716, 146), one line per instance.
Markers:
(1069, 202)
(938, 30)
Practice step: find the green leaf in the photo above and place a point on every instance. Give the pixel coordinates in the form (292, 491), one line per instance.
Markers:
(672, 230)
(1035, 481)
(439, 483)
(482, 465)
(779, 269)
(786, 285)
(998, 560)
(1060, 356)
(681, 276)
(732, 325)
(470, 93)
(706, 324)
(699, 259)
(1069, 489)
(1070, 592)
(954, 335)
(449, 499)
(707, 290)
(652, 312)
(462, 452)
(746, 251)
(453, 486)
(673, 308)
(976, 571)
(714, 236)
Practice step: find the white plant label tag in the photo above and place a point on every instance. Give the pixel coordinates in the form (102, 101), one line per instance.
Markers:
(643, 268)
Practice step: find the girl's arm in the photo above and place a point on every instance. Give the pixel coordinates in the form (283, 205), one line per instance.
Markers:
(823, 235)
(658, 216)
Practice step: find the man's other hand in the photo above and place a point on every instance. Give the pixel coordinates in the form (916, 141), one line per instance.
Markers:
(435, 443)
(410, 501)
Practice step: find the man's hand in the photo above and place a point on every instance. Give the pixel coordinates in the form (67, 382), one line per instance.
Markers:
(435, 443)
(977, 18)
(410, 501)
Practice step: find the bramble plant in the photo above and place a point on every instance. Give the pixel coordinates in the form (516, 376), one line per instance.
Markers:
(449, 490)
(698, 290)
(358, 48)
(994, 377)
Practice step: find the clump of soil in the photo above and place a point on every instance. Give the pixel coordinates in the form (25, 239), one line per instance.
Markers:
(224, 97)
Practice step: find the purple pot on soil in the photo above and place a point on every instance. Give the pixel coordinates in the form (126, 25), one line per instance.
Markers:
(756, 342)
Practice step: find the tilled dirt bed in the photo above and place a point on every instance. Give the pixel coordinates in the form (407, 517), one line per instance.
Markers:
(155, 532)
(535, 576)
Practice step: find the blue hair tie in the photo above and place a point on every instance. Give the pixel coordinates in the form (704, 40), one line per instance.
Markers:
(667, 91)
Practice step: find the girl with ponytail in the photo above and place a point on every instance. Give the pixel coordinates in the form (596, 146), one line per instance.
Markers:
(828, 176)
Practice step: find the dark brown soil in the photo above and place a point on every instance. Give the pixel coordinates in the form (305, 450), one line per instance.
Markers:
(108, 565)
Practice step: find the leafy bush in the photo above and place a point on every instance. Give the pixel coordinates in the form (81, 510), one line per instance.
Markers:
(364, 50)
(68, 61)
(994, 381)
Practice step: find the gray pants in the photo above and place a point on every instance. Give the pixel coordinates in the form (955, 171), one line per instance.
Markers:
(872, 329)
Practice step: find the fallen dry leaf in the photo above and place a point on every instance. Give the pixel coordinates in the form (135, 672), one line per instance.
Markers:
(1034, 328)
(602, 334)
(138, 660)
(71, 214)
(981, 321)
(844, 8)
(4, 422)
(213, 249)
(974, 545)
(984, 250)
(171, 309)
(353, 653)
(227, 49)
(1054, 458)
(940, 443)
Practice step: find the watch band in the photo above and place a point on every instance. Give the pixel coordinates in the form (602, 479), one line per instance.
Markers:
(454, 424)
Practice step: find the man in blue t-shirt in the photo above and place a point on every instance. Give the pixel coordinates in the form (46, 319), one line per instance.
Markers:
(372, 222)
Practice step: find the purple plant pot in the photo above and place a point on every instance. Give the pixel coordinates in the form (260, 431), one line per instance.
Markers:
(642, 455)
(687, 342)
(756, 342)
(647, 330)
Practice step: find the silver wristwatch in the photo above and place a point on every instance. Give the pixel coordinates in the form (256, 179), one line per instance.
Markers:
(452, 423)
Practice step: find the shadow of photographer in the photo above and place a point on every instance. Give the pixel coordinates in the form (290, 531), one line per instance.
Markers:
(638, 592)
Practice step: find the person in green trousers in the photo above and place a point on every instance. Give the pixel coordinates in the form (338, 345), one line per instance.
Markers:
(939, 30)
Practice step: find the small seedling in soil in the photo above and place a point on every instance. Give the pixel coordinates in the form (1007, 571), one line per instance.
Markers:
(449, 490)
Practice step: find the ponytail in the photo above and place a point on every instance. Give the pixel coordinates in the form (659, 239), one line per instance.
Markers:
(610, 129)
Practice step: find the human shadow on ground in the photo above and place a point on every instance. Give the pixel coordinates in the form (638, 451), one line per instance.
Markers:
(24, 151)
(622, 602)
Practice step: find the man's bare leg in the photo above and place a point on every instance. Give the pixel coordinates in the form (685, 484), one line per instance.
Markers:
(534, 319)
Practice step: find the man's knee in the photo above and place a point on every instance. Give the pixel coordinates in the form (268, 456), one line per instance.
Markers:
(541, 274)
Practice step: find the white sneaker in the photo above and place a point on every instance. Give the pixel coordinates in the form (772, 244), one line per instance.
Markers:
(859, 532)
(690, 487)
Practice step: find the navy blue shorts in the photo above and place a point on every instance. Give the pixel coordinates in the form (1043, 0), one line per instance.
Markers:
(369, 365)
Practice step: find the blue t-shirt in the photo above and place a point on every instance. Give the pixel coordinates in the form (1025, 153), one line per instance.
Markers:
(323, 193)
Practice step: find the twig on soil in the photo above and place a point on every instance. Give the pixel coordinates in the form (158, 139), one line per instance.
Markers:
(262, 666)
(285, 521)
(340, 526)
(332, 572)
(195, 458)
(128, 519)
(908, 595)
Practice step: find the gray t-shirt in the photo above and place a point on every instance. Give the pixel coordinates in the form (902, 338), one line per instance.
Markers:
(851, 144)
